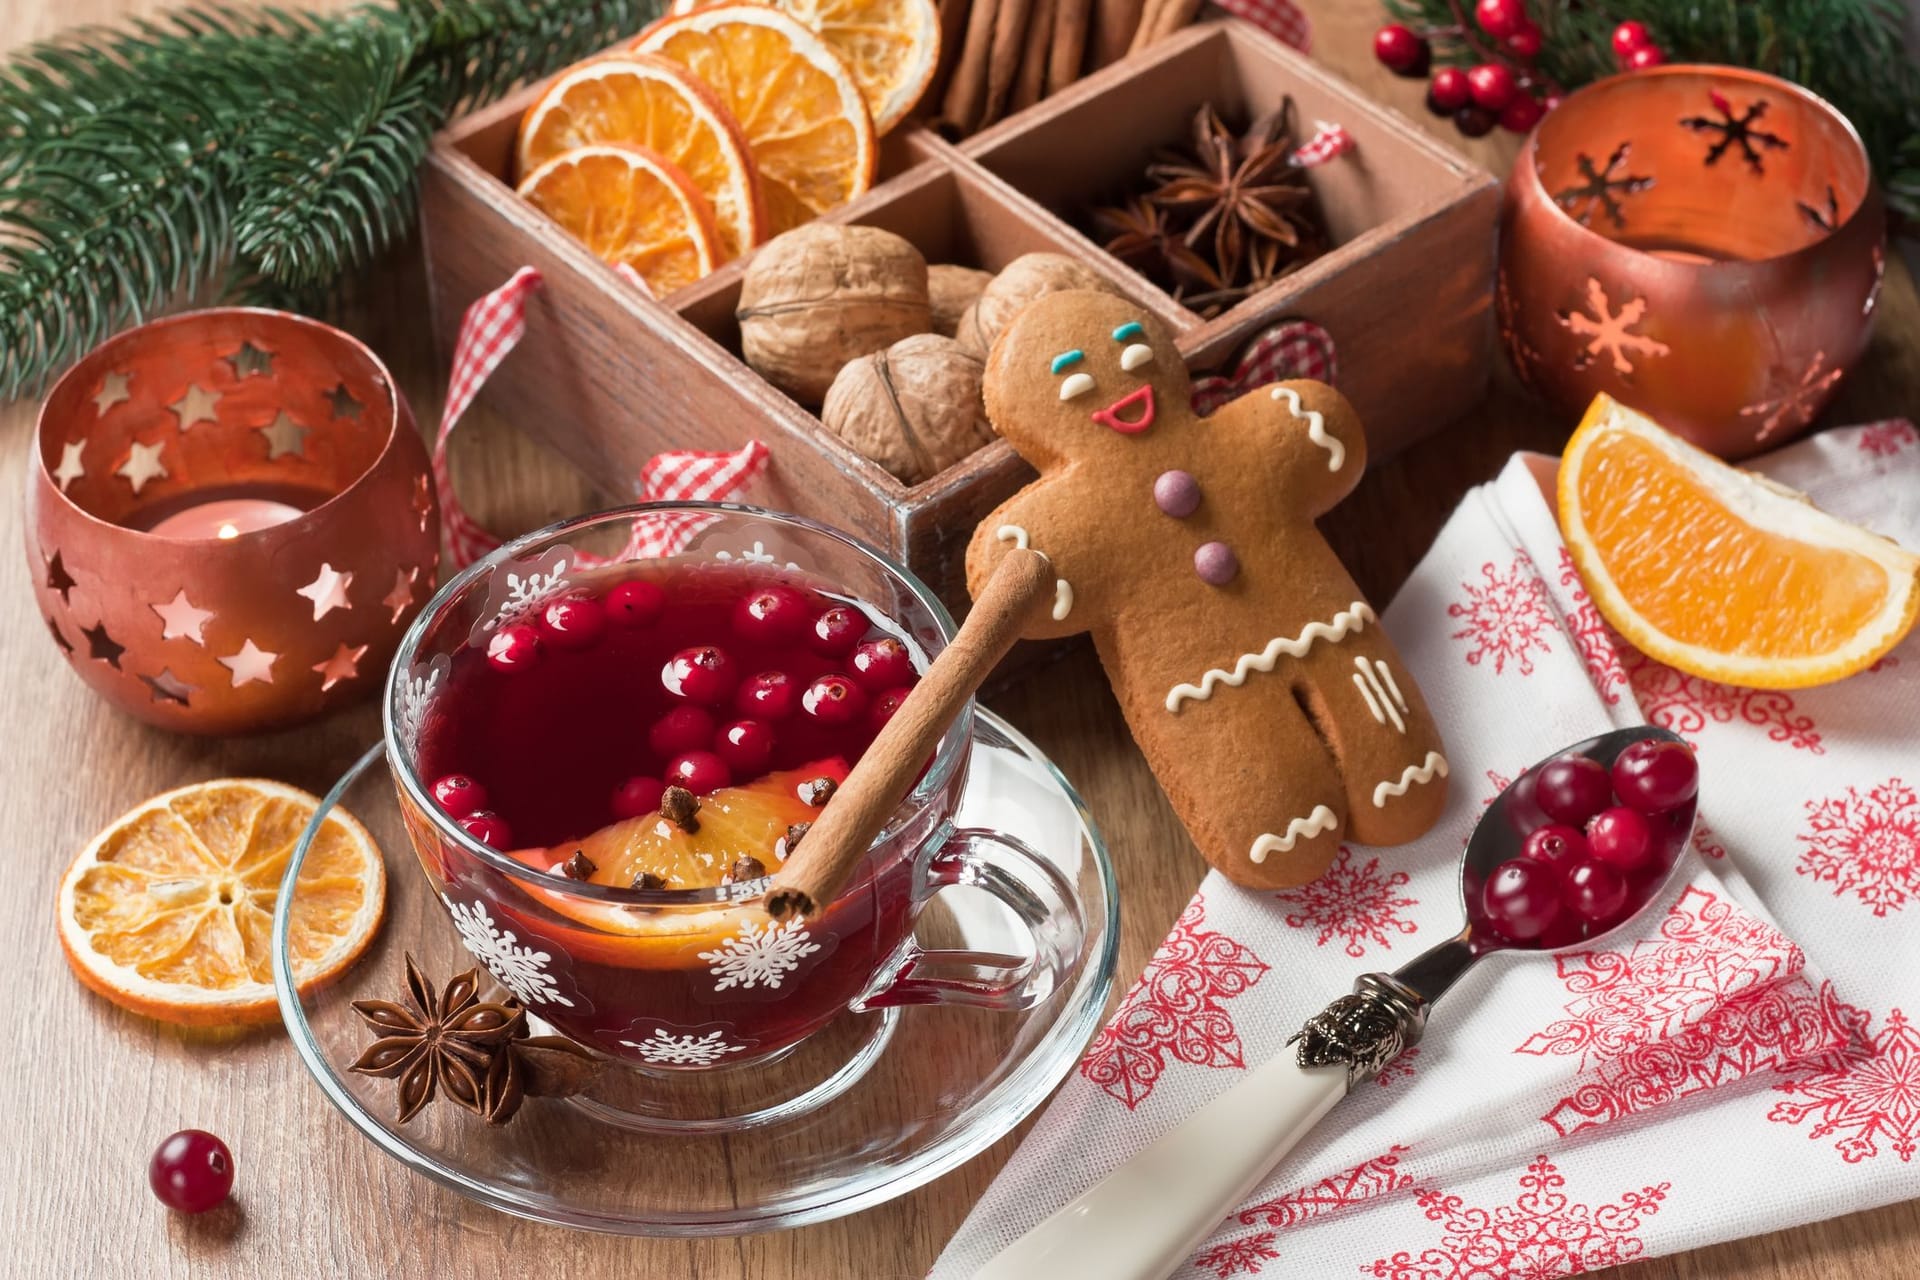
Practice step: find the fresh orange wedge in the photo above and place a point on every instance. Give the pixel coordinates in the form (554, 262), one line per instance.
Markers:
(650, 103)
(890, 46)
(631, 208)
(803, 116)
(1722, 573)
(169, 911)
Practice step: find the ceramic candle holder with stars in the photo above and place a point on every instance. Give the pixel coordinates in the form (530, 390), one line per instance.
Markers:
(1702, 243)
(230, 520)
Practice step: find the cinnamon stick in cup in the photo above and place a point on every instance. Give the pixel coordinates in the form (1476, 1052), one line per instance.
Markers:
(814, 873)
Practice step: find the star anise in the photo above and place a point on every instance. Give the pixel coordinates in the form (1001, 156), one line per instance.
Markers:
(448, 1041)
(1140, 235)
(1240, 193)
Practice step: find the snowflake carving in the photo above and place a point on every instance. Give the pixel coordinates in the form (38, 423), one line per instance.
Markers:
(1686, 704)
(760, 956)
(664, 1048)
(1868, 1091)
(1797, 402)
(1506, 617)
(1866, 844)
(1712, 998)
(1823, 218)
(1598, 645)
(1359, 904)
(1741, 131)
(1243, 1256)
(1609, 332)
(1520, 352)
(516, 590)
(1600, 189)
(520, 969)
(1542, 1235)
(1173, 1012)
(416, 697)
(1246, 1254)
(1885, 439)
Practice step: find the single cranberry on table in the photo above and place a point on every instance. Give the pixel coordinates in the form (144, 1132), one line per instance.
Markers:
(883, 664)
(513, 648)
(1555, 845)
(191, 1171)
(1655, 775)
(636, 602)
(700, 772)
(834, 699)
(1593, 891)
(681, 729)
(771, 695)
(1571, 789)
(1401, 51)
(459, 795)
(1621, 838)
(773, 614)
(746, 746)
(1492, 85)
(1521, 898)
(837, 630)
(573, 622)
(703, 673)
(638, 795)
(1449, 91)
(489, 828)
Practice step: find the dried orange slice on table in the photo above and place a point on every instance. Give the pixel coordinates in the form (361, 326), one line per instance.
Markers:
(1720, 572)
(631, 208)
(804, 118)
(891, 46)
(650, 103)
(169, 911)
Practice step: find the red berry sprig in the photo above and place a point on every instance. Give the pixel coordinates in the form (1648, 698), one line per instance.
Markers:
(1504, 88)
(1634, 49)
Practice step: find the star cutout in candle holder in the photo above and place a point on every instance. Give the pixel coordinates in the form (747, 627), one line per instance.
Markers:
(142, 464)
(196, 406)
(70, 468)
(1742, 131)
(101, 646)
(66, 645)
(1797, 402)
(402, 594)
(284, 436)
(113, 391)
(341, 401)
(167, 687)
(250, 664)
(250, 360)
(422, 499)
(58, 579)
(180, 620)
(328, 591)
(343, 665)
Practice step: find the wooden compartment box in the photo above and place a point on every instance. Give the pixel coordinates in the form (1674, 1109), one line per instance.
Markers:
(609, 377)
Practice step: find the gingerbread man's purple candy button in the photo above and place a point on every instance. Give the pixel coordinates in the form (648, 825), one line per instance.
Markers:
(1215, 563)
(1177, 493)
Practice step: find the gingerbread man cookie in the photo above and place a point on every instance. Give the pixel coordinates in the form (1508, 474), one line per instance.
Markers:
(1253, 674)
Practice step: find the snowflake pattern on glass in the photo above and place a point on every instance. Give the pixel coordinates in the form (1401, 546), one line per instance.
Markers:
(1865, 844)
(760, 956)
(1715, 996)
(1357, 904)
(1686, 704)
(517, 589)
(755, 554)
(1173, 1012)
(1542, 1235)
(1506, 617)
(1868, 1092)
(1598, 645)
(521, 969)
(416, 699)
(664, 1048)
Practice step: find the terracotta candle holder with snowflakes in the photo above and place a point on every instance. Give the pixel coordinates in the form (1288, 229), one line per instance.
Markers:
(230, 520)
(1703, 243)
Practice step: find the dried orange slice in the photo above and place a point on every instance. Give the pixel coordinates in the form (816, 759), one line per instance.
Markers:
(631, 208)
(890, 46)
(1722, 573)
(647, 102)
(169, 911)
(804, 119)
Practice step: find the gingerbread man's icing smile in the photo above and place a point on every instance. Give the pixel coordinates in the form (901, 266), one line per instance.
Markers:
(1253, 673)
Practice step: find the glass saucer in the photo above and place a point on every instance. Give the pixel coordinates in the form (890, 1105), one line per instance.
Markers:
(884, 1102)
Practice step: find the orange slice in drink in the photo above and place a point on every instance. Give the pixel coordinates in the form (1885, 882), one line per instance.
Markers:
(650, 103)
(169, 911)
(631, 208)
(803, 116)
(890, 46)
(1722, 573)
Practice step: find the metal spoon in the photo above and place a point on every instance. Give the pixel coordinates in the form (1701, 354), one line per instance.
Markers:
(1146, 1217)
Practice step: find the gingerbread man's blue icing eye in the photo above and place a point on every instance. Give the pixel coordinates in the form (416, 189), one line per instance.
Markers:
(1075, 384)
(1134, 354)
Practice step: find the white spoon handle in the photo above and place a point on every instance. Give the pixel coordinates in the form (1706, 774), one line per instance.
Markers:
(1144, 1219)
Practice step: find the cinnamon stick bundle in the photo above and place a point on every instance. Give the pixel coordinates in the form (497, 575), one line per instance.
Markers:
(964, 105)
(1067, 50)
(814, 873)
(1030, 83)
(1004, 58)
(1114, 23)
(1160, 19)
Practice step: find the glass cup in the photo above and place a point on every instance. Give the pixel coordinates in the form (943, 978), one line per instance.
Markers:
(689, 980)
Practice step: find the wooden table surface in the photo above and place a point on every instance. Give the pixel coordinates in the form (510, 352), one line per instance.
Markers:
(91, 1090)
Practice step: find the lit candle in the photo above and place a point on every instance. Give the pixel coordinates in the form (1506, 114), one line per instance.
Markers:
(225, 518)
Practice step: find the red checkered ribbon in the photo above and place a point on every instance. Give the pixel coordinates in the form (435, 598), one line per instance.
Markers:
(1290, 349)
(1280, 18)
(1328, 142)
(492, 327)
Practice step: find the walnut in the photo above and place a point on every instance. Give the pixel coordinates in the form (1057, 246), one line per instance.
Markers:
(821, 295)
(914, 408)
(951, 290)
(1026, 278)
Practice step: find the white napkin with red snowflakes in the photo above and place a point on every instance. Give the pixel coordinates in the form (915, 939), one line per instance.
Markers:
(1744, 1064)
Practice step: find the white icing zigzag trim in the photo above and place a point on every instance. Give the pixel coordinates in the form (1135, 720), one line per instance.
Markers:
(1321, 819)
(1435, 765)
(1316, 428)
(1353, 618)
(1062, 592)
(1374, 690)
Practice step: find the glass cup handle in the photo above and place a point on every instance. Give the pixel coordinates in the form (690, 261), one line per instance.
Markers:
(1027, 885)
